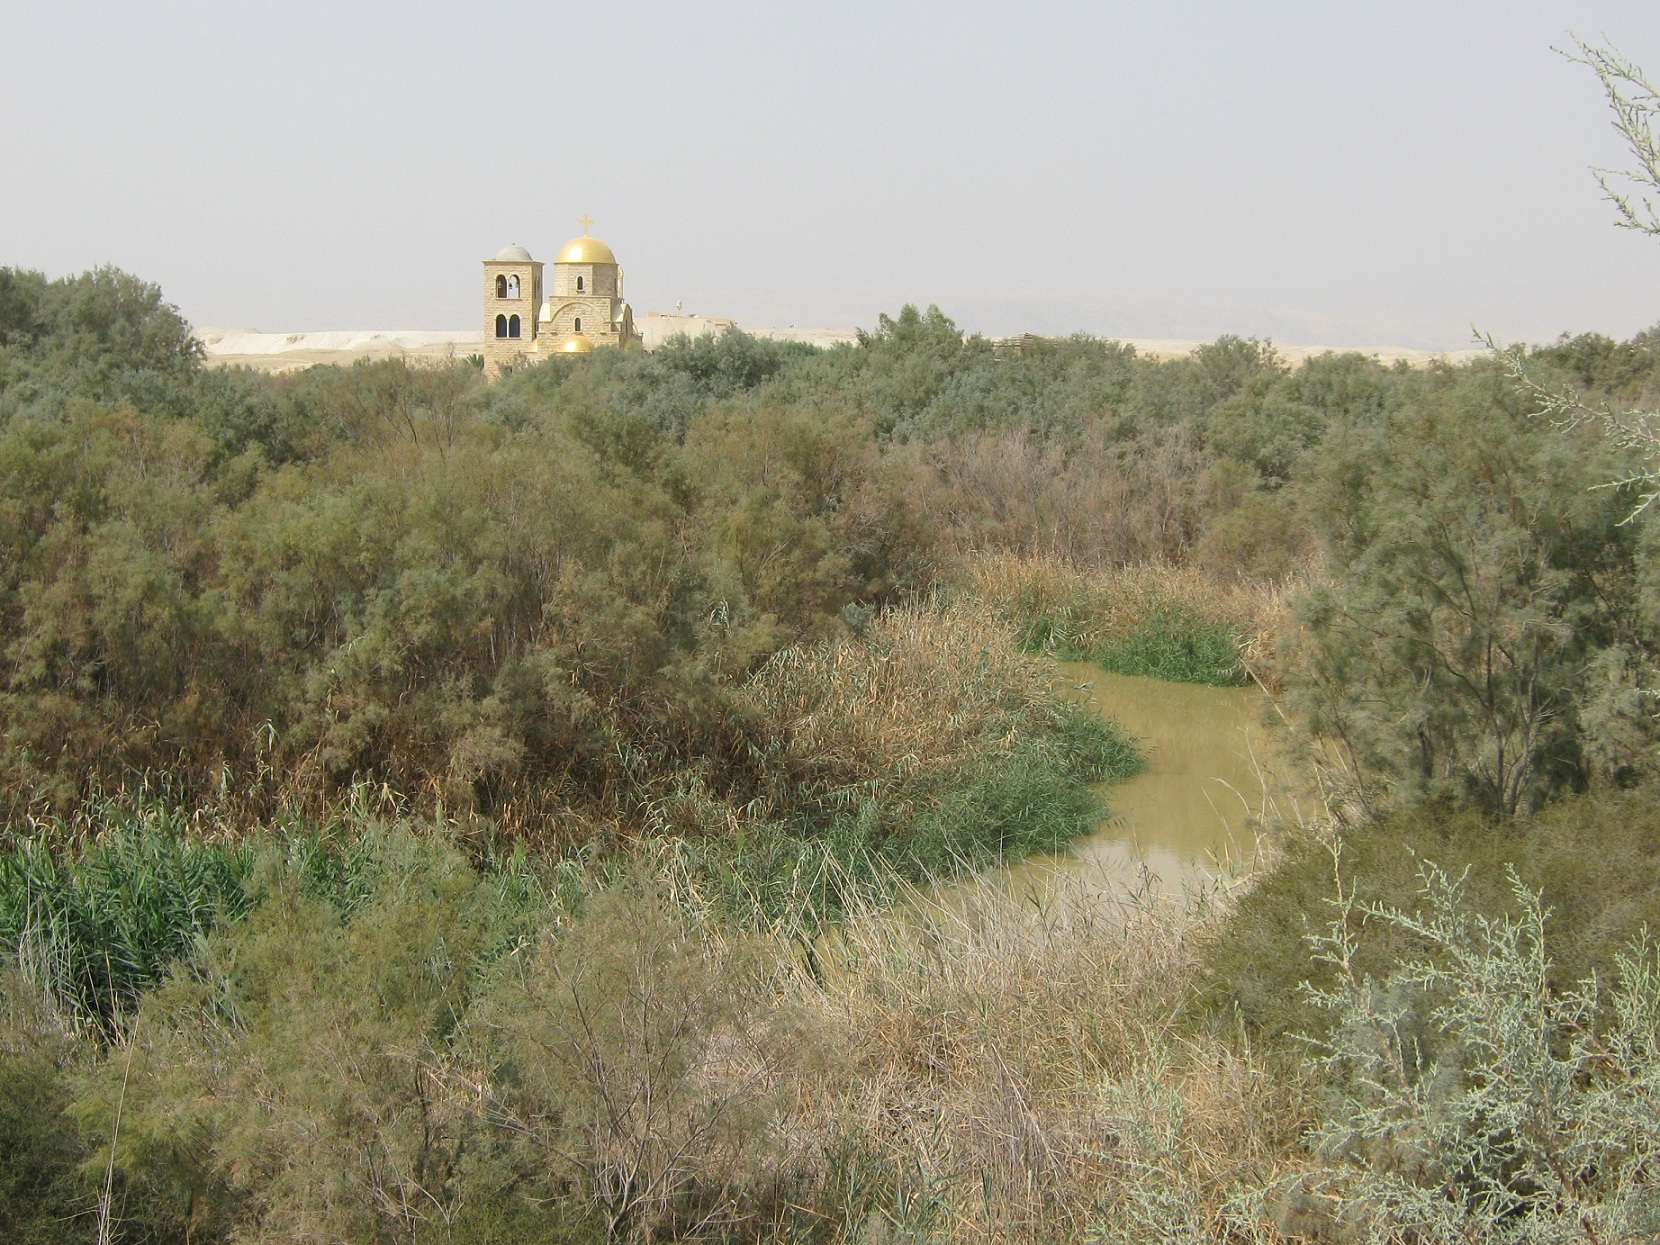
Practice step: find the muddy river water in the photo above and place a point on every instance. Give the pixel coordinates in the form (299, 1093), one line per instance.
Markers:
(1215, 775)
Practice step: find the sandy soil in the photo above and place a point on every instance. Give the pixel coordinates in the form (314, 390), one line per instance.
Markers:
(1297, 352)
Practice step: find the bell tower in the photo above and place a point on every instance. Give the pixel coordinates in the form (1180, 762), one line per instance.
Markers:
(512, 293)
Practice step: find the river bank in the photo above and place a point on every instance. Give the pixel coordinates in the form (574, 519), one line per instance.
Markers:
(1195, 816)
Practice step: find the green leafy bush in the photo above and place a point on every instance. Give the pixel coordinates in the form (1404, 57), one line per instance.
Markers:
(1480, 584)
(288, 1076)
(44, 1197)
(641, 1059)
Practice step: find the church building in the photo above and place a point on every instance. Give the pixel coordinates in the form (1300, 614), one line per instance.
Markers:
(582, 311)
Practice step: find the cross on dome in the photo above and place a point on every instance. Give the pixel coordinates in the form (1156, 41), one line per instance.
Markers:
(585, 222)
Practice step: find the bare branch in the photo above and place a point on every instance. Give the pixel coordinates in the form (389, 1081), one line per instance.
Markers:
(1636, 107)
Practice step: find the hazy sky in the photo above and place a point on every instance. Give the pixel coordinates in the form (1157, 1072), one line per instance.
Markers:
(1345, 172)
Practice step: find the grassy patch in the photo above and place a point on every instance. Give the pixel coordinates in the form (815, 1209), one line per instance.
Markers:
(101, 927)
(930, 746)
(991, 808)
(1173, 642)
(1178, 645)
(1163, 622)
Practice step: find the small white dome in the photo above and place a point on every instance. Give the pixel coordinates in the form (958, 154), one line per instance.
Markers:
(513, 254)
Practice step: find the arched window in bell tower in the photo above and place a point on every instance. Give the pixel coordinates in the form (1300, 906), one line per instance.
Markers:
(501, 287)
(513, 286)
(512, 326)
(501, 326)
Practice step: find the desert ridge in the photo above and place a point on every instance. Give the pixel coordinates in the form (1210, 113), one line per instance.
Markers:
(288, 352)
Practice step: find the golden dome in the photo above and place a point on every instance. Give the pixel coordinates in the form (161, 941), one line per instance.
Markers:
(585, 250)
(574, 343)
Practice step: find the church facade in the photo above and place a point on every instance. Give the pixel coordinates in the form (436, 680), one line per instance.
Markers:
(581, 311)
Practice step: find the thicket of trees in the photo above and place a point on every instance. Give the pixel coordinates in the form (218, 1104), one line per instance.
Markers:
(1483, 635)
(736, 629)
(541, 597)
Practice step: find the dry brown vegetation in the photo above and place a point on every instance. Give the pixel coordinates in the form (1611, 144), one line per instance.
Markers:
(1089, 502)
(1026, 1063)
(925, 688)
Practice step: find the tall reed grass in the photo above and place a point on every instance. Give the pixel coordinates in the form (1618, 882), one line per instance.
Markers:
(97, 929)
(930, 742)
(1166, 621)
(94, 922)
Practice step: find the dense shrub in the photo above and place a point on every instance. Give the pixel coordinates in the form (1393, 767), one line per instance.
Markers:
(104, 336)
(533, 600)
(1481, 632)
(44, 1197)
(642, 1062)
(744, 640)
(282, 1081)
(1594, 858)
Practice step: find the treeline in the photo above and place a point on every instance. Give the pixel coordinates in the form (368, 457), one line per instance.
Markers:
(540, 599)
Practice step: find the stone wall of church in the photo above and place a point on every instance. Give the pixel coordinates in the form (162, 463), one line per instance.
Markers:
(595, 315)
(598, 306)
(598, 280)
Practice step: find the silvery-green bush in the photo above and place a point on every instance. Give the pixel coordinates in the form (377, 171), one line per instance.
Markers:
(1474, 1100)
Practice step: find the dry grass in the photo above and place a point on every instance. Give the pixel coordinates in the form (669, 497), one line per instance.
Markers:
(1023, 1062)
(1011, 1068)
(923, 690)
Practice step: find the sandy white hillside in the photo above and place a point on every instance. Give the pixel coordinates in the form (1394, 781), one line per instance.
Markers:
(287, 352)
